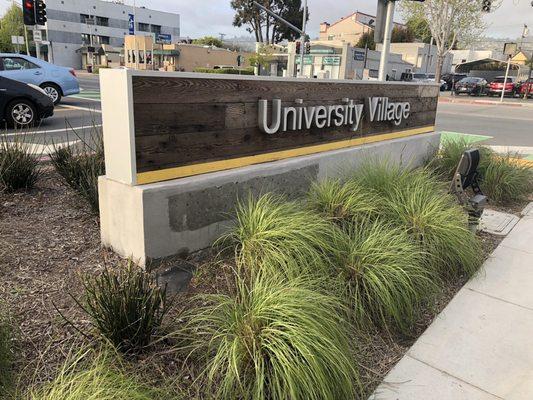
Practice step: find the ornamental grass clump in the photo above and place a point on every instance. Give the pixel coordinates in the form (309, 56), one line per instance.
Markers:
(437, 223)
(6, 353)
(91, 375)
(274, 339)
(380, 176)
(273, 233)
(19, 163)
(507, 181)
(342, 202)
(385, 278)
(81, 164)
(126, 306)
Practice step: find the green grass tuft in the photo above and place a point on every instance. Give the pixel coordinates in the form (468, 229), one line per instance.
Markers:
(386, 279)
(274, 339)
(81, 165)
(270, 232)
(6, 354)
(343, 202)
(88, 376)
(19, 164)
(126, 306)
(506, 181)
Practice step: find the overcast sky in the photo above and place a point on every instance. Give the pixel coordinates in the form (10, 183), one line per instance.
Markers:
(211, 17)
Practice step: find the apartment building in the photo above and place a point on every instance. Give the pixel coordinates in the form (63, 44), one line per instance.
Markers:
(75, 24)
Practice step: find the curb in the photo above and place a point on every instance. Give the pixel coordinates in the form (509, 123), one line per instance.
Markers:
(484, 102)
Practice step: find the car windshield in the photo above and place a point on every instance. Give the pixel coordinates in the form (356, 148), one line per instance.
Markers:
(469, 80)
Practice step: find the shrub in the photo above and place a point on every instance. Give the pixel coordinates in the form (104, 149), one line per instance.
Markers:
(274, 339)
(436, 222)
(99, 378)
(126, 306)
(271, 232)
(386, 279)
(341, 203)
(381, 176)
(81, 165)
(19, 164)
(6, 353)
(506, 181)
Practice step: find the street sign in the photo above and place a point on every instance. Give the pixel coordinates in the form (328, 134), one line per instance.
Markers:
(131, 24)
(308, 60)
(331, 60)
(164, 38)
(359, 55)
(509, 49)
(17, 40)
(37, 36)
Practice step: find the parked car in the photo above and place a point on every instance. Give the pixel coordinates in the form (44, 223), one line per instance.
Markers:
(420, 77)
(452, 79)
(471, 85)
(23, 104)
(527, 87)
(496, 86)
(431, 78)
(54, 80)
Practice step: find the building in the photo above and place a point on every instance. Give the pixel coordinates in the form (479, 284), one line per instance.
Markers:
(338, 60)
(349, 29)
(141, 52)
(466, 56)
(73, 24)
(422, 56)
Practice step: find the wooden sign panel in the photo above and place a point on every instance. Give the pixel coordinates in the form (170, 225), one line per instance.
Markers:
(191, 125)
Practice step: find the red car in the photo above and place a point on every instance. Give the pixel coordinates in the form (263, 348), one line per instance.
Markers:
(496, 86)
(527, 87)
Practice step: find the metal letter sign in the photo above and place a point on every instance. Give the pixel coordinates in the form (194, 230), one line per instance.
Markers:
(131, 24)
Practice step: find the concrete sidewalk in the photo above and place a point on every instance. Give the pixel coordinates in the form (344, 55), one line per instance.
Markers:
(481, 346)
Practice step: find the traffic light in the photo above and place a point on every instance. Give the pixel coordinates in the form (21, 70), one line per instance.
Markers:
(307, 47)
(28, 11)
(486, 5)
(40, 12)
(298, 47)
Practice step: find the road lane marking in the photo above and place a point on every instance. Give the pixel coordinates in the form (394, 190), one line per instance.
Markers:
(66, 129)
(64, 107)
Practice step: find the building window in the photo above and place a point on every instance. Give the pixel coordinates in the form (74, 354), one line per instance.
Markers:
(103, 39)
(155, 29)
(84, 18)
(102, 21)
(141, 26)
(85, 38)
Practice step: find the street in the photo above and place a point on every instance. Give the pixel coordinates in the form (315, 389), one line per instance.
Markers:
(496, 125)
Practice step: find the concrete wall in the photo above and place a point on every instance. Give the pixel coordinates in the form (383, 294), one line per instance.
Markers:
(150, 222)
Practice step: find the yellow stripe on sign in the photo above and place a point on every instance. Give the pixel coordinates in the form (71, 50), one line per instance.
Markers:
(204, 168)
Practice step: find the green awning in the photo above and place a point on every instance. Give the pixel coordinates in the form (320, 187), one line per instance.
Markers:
(167, 53)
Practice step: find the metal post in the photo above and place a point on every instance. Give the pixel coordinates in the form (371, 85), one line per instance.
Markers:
(506, 76)
(429, 54)
(26, 40)
(385, 49)
(302, 45)
(136, 44)
(37, 44)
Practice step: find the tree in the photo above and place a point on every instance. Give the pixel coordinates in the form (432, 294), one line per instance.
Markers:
(263, 57)
(366, 39)
(267, 29)
(209, 41)
(420, 29)
(12, 23)
(401, 35)
(449, 21)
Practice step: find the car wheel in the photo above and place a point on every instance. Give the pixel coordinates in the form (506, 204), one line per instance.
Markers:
(53, 92)
(21, 113)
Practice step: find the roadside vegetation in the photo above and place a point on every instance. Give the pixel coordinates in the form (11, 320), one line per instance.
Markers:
(19, 163)
(6, 353)
(291, 300)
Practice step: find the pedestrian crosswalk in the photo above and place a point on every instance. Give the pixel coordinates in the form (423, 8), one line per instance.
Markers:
(88, 95)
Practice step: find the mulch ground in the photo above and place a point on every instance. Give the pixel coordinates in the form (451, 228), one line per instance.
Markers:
(49, 238)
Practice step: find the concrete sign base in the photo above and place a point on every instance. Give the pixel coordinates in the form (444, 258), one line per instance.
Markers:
(158, 220)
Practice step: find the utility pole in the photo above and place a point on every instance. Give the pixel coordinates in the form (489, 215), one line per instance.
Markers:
(506, 76)
(291, 26)
(385, 49)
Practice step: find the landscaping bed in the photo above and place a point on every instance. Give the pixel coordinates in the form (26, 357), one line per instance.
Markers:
(50, 255)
